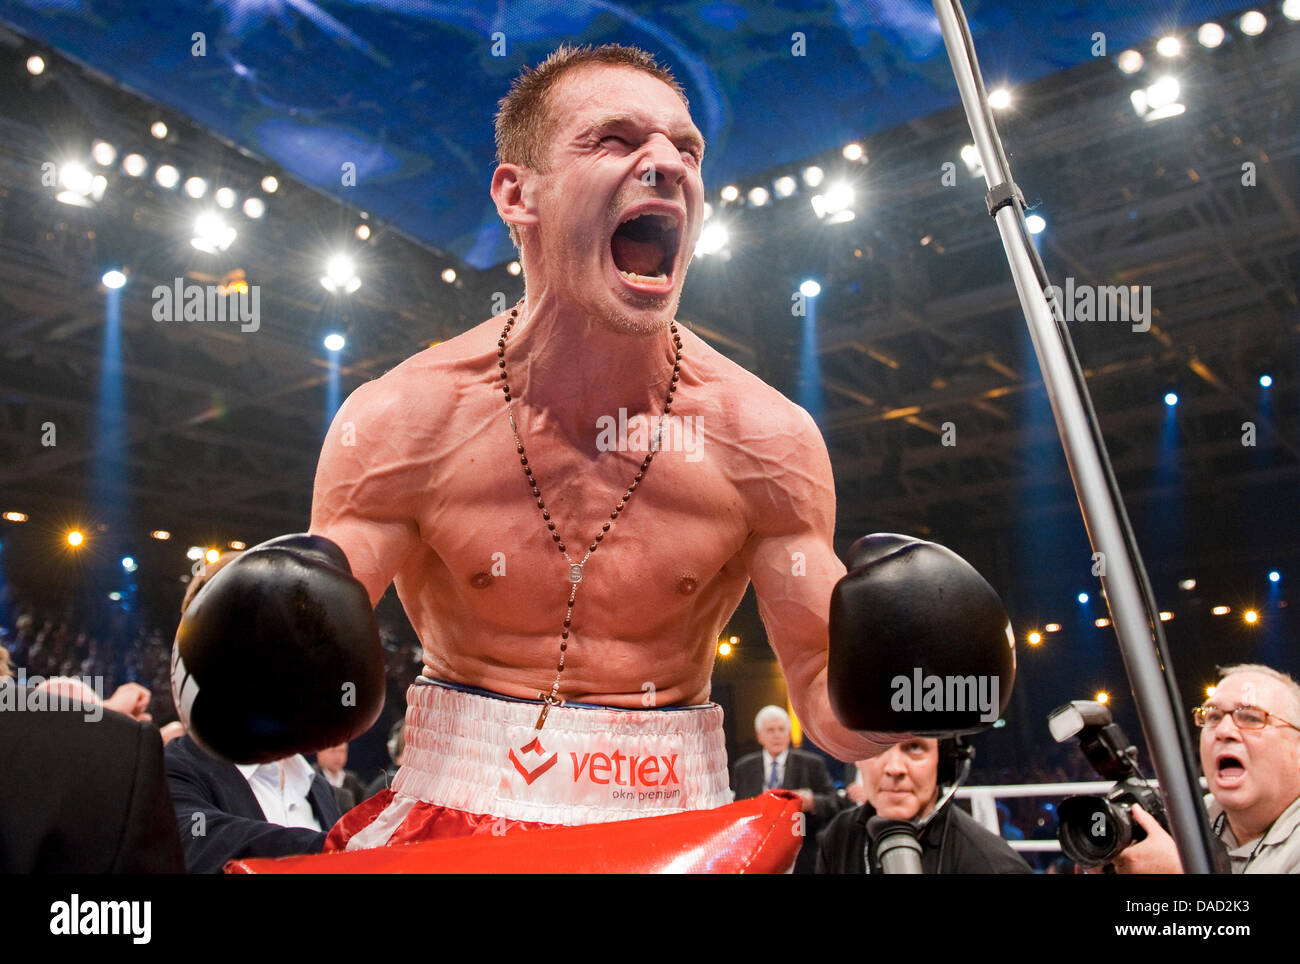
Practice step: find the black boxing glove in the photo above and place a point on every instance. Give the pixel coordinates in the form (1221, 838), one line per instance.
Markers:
(279, 654)
(919, 641)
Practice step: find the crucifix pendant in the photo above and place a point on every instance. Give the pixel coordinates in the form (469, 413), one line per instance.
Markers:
(547, 702)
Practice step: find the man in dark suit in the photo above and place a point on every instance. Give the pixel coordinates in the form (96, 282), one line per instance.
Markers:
(780, 766)
(82, 792)
(220, 816)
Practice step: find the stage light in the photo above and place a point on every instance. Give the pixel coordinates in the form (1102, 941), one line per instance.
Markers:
(129, 564)
(134, 164)
(1034, 638)
(1102, 696)
(212, 555)
(734, 640)
(76, 538)
(1221, 610)
(714, 238)
(1083, 598)
(224, 197)
(1036, 223)
(1000, 99)
(1169, 46)
(1252, 23)
(1171, 399)
(1265, 381)
(810, 288)
(340, 275)
(158, 129)
(254, 207)
(1274, 576)
(167, 176)
(212, 234)
(1052, 627)
(758, 196)
(162, 535)
(363, 232)
(515, 268)
(270, 184)
(1158, 101)
(784, 186)
(1129, 62)
(334, 341)
(115, 596)
(15, 516)
(724, 649)
(80, 188)
(104, 153)
(36, 65)
(1166, 615)
(1101, 623)
(113, 279)
(196, 187)
(449, 275)
(1187, 584)
(813, 175)
(971, 158)
(1291, 9)
(194, 552)
(835, 204)
(1210, 35)
(1250, 616)
(729, 193)
(853, 152)
(237, 545)
(1210, 691)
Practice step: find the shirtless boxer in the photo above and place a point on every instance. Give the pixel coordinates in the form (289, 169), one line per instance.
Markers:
(421, 482)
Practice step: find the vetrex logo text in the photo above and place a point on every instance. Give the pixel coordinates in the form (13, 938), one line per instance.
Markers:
(604, 769)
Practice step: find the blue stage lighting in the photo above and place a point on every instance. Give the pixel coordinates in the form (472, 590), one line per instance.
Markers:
(1171, 399)
(334, 342)
(1265, 381)
(1274, 576)
(810, 288)
(1083, 598)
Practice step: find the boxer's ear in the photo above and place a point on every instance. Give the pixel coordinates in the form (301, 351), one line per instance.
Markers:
(514, 194)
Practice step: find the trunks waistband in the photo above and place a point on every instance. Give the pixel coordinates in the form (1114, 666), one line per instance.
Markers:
(480, 752)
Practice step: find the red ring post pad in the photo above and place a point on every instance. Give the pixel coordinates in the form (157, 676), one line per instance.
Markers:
(757, 836)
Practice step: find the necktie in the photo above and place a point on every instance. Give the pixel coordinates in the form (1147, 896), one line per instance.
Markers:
(774, 779)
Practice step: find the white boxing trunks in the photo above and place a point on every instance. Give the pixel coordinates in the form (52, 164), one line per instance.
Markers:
(475, 758)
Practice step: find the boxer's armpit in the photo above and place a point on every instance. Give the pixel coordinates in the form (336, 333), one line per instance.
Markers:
(366, 484)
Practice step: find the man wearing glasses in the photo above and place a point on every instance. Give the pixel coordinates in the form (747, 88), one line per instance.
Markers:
(1250, 751)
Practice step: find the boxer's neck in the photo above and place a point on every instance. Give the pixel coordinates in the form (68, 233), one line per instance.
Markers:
(576, 369)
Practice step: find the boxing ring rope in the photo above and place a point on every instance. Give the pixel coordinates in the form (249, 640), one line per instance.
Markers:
(1127, 591)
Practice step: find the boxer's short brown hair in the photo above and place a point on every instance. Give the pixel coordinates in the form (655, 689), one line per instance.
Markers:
(524, 124)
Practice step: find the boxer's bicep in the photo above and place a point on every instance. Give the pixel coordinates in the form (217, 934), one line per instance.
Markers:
(792, 564)
(364, 492)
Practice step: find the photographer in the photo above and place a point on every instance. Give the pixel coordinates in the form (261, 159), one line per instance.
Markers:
(1250, 752)
(903, 784)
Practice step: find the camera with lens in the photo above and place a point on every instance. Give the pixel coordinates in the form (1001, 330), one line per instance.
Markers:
(1093, 830)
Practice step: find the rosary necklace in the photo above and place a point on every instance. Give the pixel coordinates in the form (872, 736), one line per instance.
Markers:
(576, 568)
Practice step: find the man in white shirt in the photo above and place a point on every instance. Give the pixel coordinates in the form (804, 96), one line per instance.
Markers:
(1250, 752)
(224, 811)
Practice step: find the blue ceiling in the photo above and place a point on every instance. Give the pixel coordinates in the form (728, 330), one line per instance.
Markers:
(406, 89)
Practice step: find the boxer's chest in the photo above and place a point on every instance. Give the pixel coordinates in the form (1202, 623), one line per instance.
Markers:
(676, 535)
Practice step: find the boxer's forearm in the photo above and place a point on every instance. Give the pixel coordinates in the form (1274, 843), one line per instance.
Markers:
(812, 704)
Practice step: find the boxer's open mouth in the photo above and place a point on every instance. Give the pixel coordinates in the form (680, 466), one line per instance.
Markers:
(644, 249)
